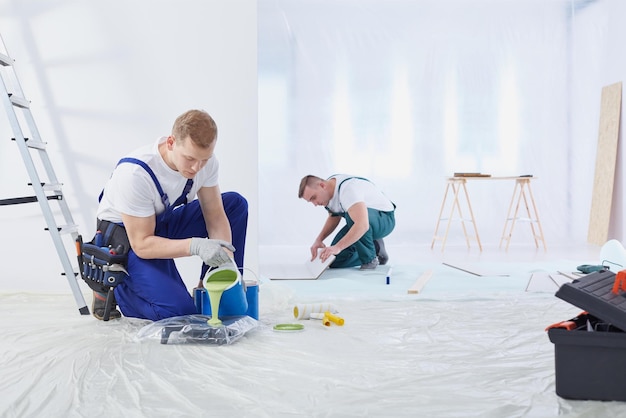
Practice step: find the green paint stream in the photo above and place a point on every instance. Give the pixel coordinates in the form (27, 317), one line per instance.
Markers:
(215, 284)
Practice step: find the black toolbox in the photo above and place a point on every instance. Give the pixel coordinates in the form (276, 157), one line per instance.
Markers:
(590, 350)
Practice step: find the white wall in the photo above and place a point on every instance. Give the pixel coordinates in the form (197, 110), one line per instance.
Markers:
(408, 92)
(116, 74)
(107, 77)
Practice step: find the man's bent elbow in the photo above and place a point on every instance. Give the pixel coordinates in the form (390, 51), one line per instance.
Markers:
(361, 229)
(142, 249)
(141, 252)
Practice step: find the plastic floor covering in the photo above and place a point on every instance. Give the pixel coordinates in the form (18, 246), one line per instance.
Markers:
(465, 346)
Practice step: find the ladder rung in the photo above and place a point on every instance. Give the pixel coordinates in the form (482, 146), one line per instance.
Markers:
(457, 219)
(57, 187)
(33, 144)
(25, 199)
(5, 60)
(19, 101)
(65, 229)
(522, 219)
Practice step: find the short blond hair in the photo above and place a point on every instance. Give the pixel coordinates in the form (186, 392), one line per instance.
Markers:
(197, 125)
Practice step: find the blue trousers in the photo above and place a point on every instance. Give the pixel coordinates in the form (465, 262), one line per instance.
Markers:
(155, 290)
(363, 251)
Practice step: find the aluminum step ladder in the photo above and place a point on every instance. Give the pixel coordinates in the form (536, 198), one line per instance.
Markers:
(29, 142)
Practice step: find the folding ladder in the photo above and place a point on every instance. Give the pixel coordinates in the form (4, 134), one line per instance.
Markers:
(29, 142)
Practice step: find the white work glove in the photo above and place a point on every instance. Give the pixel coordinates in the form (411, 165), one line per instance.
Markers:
(211, 251)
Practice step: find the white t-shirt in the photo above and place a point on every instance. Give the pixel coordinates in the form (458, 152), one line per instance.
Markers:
(132, 191)
(355, 190)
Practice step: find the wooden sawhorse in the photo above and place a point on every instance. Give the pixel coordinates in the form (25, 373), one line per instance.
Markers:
(523, 192)
(455, 184)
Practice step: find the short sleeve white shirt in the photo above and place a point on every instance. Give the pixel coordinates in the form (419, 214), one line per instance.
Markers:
(355, 190)
(131, 190)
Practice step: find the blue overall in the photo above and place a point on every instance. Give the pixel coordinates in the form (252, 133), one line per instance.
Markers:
(363, 251)
(154, 289)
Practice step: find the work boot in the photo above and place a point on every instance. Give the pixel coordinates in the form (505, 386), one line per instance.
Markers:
(97, 307)
(371, 265)
(383, 257)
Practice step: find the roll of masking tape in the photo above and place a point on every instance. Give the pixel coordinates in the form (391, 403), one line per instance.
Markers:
(304, 311)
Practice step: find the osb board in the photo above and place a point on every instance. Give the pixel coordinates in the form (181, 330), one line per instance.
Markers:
(610, 109)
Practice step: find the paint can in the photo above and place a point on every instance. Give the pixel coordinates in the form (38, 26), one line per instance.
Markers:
(233, 302)
(252, 297)
(198, 299)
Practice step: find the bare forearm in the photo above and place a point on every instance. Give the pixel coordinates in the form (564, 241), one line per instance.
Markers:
(359, 215)
(354, 234)
(222, 231)
(158, 247)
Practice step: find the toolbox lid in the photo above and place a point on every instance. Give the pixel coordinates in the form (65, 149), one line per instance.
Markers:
(594, 294)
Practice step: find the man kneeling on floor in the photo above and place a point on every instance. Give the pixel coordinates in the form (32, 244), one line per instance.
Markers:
(135, 199)
(369, 216)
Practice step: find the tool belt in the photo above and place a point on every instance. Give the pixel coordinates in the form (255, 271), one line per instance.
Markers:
(102, 261)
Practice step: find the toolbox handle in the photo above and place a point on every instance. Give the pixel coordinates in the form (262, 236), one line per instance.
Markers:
(620, 282)
(571, 324)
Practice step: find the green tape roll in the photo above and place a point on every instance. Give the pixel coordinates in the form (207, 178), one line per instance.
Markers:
(288, 327)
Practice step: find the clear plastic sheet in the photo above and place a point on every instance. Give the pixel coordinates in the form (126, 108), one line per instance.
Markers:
(194, 329)
(467, 346)
(404, 92)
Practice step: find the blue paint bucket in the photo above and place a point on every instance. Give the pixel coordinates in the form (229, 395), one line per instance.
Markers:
(252, 296)
(198, 299)
(233, 302)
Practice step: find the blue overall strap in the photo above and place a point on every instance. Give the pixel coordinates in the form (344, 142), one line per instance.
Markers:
(182, 199)
(145, 166)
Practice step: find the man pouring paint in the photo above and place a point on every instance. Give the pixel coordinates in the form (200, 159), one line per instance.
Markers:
(162, 202)
(368, 213)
